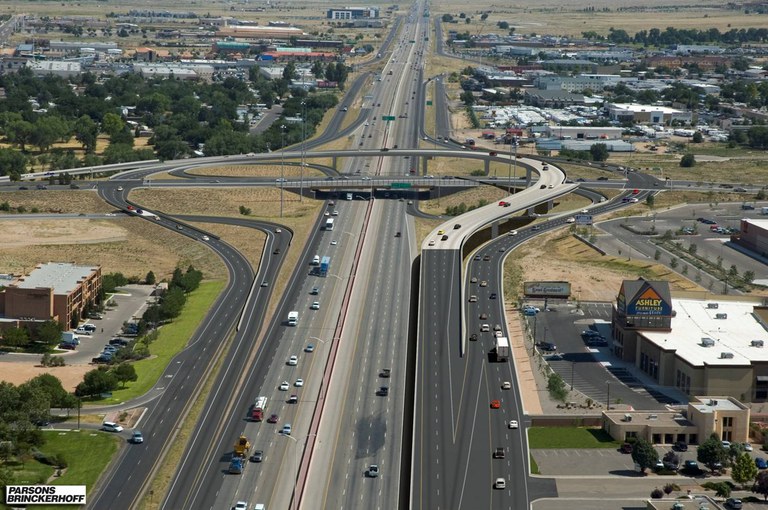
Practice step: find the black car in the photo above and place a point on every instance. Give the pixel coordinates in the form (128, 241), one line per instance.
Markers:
(547, 346)
(383, 391)
(493, 295)
(385, 372)
(23, 188)
(681, 446)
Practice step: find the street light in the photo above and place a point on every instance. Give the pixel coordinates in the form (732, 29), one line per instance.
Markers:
(608, 399)
(512, 161)
(296, 465)
(303, 148)
(282, 166)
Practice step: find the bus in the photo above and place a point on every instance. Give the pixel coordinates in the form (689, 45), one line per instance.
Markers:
(257, 414)
(329, 224)
(293, 318)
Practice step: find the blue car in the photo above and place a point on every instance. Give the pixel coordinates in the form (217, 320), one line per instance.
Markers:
(760, 463)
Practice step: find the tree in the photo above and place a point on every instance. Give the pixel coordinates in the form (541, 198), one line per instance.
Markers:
(712, 452)
(48, 333)
(150, 279)
(96, 382)
(688, 161)
(86, 132)
(650, 201)
(599, 152)
(697, 137)
(125, 372)
(289, 71)
(644, 454)
(504, 25)
(744, 469)
(748, 276)
(112, 124)
(556, 387)
(761, 484)
(15, 337)
(467, 98)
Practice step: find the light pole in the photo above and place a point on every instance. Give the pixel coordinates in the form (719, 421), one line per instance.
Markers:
(282, 166)
(512, 163)
(573, 367)
(608, 399)
(303, 148)
(296, 465)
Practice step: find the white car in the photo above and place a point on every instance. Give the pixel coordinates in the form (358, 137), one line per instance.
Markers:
(512, 233)
(500, 483)
(335, 213)
(119, 188)
(513, 424)
(432, 242)
(299, 383)
(334, 243)
(293, 361)
(284, 386)
(506, 385)
(327, 213)
(111, 426)
(571, 220)
(747, 447)
(278, 230)
(240, 505)
(206, 238)
(315, 305)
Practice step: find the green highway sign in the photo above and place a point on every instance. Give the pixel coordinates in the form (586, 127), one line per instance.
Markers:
(400, 185)
(388, 117)
(429, 103)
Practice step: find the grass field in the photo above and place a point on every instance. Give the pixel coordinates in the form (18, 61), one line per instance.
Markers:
(173, 337)
(86, 452)
(566, 437)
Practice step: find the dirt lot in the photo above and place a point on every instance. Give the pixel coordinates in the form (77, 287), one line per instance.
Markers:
(70, 375)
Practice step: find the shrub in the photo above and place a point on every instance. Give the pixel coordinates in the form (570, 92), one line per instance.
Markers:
(657, 493)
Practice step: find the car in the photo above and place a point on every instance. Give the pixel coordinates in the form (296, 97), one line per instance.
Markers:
(570, 220)
(240, 505)
(681, 446)
(726, 444)
(398, 234)
(747, 447)
(432, 242)
(534, 309)
(327, 213)
(483, 316)
(284, 386)
(315, 291)
(278, 230)
(691, 466)
(119, 188)
(205, 238)
(286, 430)
(506, 385)
(293, 361)
(372, 471)
(383, 391)
(67, 346)
(498, 453)
(734, 503)
(444, 238)
(513, 424)
(23, 188)
(74, 186)
(500, 483)
(495, 404)
(492, 296)
(265, 283)
(110, 426)
(385, 372)
(473, 299)
(512, 233)
(179, 227)
(547, 346)
(484, 328)
(473, 337)
(635, 191)
(484, 283)
(309, 348)
(299, 383)
(273, 418)
(137, 437)
(486, 258)
(761, 463)
(473, 279)
(457, 226)
(440, 232)
(257, 456)
(276, 251)
(315, 305)
(626, 448)
(602, 178)
(536, 228)
(551, 186)
(293, 399)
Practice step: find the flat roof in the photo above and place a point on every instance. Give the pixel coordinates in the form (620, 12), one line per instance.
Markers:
(637, 108)
(731, 336)
(62, 277)
(757, 222)
(712, 404)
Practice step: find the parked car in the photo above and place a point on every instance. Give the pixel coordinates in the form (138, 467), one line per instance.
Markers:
(681, 446)
(734, 503)
(760, 463)
(691, 467)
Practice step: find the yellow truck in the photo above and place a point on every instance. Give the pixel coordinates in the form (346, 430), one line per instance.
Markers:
(242, 446)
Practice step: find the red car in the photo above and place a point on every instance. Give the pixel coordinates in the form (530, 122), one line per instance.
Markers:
(495, 404)
(493, 153)
(635, 191)
(272, 418)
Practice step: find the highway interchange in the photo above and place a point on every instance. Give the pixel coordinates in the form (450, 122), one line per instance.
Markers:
(433, 434)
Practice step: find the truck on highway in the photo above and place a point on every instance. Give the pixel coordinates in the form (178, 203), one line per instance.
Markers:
(239, 455)
(293, 318)
(502, 348)
(257, 413)
(325, 263)
(236, 465)
(329, 224)
(764, 210)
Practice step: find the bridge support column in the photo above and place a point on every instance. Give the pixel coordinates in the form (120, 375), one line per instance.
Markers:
(424, 160)
(494, 230)
(334, 160)
(487, 168)
(528, 176)
(550, 204)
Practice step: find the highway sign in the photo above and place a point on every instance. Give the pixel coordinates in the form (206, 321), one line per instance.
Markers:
(583, 219)
(400, 185)
(429, 103)
(387, 117)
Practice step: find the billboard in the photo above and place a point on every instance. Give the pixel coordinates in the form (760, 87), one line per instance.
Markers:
(648, 302)
(583, 219)
(547, 289)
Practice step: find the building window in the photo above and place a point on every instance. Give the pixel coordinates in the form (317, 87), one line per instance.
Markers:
(728, 421)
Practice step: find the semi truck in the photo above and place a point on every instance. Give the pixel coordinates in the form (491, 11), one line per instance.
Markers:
(237, 463)
(502, 348)
(242, 445)
(257, 413)
(329, 224)
(325, 263)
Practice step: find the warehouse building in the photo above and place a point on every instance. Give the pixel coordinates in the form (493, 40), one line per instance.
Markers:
(350, 13)
(56, 290)
(753, 236)
(700, 347)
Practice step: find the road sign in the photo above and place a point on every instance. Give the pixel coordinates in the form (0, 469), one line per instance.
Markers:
(400, 185)
(388, 117)
(583, 219)
(429, 103)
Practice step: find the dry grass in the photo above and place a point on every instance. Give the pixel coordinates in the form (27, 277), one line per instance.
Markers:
(267, 170)
(74, 201)
(469, 197)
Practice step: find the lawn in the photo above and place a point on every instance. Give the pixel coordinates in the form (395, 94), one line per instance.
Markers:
(86, 452)
(560, 437)
(173, 337)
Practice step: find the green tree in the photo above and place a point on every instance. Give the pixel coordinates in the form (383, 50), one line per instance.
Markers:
(150, 279)
(125, 372)
(697, 137)
(96, 382)
(712, 452)
(650, 201)
(688, 161)
(19, 133)
(48, 130)
(86, 132)
(761, 484)
(748, 277)
(112, 124)
(744, 470)
(599, 152)
(289, 71)
(15, 337)
(657, 254)
(556, 387)
(467, 98)
(12, 163)
(48, 333)
(644, 454)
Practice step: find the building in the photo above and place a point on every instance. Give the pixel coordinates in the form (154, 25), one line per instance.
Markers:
(61, 68)
(584, 132)
(180, 72)
(594, 82)
(56, 290)
(709, 347)
(646, 114)
(704, 416)
(552, 98)
(350, 13)
(258, 33)
(753, 236)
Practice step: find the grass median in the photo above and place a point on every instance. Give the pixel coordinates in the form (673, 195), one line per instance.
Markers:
(173, 338)
(576, 437)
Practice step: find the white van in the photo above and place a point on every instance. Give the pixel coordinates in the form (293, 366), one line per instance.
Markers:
(349, 196)
(293, 318)
(316, 260)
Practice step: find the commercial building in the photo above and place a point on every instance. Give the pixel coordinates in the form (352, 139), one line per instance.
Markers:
(259, 33)
(704, 416)
(649, 114)
(753, 236)
(56, 290)
(700, 347)
(350, 13)
(60, 68)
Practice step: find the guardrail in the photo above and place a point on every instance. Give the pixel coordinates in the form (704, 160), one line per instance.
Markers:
(116, 167)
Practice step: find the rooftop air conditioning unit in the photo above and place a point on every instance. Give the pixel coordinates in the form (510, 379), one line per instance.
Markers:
(707, 342)
(721, 316)
(756, 343)
(726, 355)
(713, 306)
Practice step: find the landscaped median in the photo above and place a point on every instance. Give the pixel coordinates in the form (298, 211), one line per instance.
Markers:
(173, 337)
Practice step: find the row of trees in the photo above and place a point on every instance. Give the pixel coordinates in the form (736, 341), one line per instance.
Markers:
(105, 379)
(672, 35)
(40, 338)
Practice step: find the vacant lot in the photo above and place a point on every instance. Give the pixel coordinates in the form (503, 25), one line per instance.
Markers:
(55, 201)
(290, 170)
